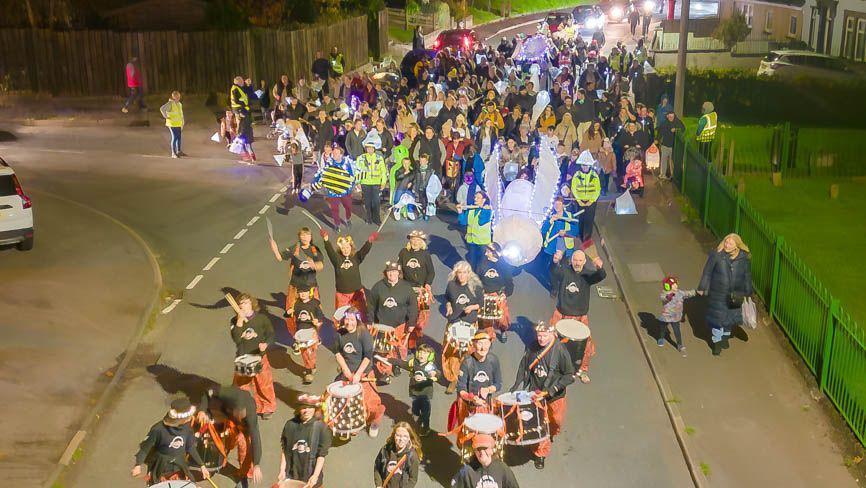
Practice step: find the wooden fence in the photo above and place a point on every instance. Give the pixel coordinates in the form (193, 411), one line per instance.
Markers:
(398, 18)
(92, 62)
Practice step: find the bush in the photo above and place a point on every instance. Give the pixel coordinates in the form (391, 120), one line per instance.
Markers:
(732, 30)
(744, 98)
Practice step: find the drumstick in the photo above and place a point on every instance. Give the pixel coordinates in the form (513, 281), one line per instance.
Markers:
(270, 228)
(233, 303)
(387, 216)
(314, 219)
(381, 359)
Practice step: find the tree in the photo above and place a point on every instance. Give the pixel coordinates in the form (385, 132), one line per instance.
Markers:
(732, 30)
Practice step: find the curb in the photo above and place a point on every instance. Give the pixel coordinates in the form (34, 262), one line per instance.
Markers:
(512, 27)
(698, 478)
(95, 411)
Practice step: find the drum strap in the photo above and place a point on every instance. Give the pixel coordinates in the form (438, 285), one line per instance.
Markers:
(400, 463)
(541, 355)
(217, 440)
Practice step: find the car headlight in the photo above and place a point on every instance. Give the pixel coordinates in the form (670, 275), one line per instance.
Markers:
(616, 13)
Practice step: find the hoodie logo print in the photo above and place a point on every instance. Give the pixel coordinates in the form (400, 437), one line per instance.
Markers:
(572, 287)
(390, 302)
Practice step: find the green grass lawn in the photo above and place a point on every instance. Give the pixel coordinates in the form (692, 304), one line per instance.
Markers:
(519, 7)
(400, 35)
(828, 235)
(482, 16)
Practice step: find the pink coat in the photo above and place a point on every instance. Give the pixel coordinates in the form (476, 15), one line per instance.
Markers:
(634, 174)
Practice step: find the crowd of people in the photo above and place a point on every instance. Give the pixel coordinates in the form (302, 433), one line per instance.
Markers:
(428, 132)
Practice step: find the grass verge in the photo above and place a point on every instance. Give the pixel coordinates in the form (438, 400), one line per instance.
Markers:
(402, 36)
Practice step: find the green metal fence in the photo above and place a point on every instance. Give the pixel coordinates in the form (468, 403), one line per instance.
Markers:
(831, 343)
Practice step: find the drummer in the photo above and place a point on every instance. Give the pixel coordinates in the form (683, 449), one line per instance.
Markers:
(347, 271)
(230, 409)
(572, 295)
(307, 314)
(170, 441)
(305, 442)
(418, 271)
(464, 297)
(253, 333)
(305, 260)
(393, 302)
(479, 378)
(495, 275)
(484, 470)
(546, 369)
(354, 356)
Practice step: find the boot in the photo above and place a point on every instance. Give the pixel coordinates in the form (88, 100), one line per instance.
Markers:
(717, 348)
(725, 344)
(539, 462)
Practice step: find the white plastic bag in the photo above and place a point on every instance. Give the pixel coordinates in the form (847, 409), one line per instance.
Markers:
(215, 137)
(237, 146)
(750, 313)
(625, 204)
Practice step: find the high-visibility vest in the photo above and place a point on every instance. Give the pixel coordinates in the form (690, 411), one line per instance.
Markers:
(708, 133)
(238, 98)
(372, 169)
(566, 226)
(475, 232)
(586, 186)
(337, 64)
(174, 114)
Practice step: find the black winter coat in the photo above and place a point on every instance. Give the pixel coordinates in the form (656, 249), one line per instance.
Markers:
(721, 277)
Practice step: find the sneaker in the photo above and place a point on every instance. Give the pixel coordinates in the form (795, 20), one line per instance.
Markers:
(410, 215)
(374, 431)
(424, 431)
(502, 337)
(308, 378)
(426, 217)
(267, 415)
(584, 377)
(181, 154)
(539, 462)
(682, 350)
(661, 342)
(124, 110)
(396, 215)
(174, 156)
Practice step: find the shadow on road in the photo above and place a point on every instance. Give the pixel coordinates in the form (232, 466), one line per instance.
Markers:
(438, 452)
(444, 251)
(176, 382)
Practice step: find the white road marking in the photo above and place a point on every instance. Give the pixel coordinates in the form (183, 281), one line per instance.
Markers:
(253, 220)
(284, 189)
(154, 156)
(226, 249)
(275, 197)
(210, 264)
(264, 209)
(194, 282)
(171, 306)
(240, 234)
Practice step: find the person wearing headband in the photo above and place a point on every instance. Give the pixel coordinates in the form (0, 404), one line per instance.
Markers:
(495, 275)
(162, 455)
(304, 443)
(479, 379)
(354, 357)
(417, 265)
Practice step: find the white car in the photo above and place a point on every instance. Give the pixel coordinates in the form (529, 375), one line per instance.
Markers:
(790, 64)
(16, 211)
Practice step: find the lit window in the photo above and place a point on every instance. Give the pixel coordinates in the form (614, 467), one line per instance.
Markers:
(792, 26)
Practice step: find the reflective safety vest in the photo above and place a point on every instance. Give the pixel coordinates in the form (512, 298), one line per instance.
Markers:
(708, 133)
(550, 236)
(475, 232)
(371, 169)
(173, 114)
(337, 64)
(238, 98)
(586, 186)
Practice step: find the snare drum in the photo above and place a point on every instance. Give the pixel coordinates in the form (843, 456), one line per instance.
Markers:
(344, 409)
(423, 298)
(306, 338)
(459, 335)
(492, 307)
(525, 419)
(383, 338)
(248, 364)
(175, 484)
(577, 334)
(482, 423)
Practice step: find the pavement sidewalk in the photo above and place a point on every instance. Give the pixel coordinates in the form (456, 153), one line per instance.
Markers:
(747, 417)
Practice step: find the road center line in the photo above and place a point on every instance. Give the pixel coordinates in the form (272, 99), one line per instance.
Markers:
(194, 282)
(210, 264)
(275, 197)
(226, 249)
(264, 209)
(240, 234)
(284, 189)
(171, 306)
(253, 220)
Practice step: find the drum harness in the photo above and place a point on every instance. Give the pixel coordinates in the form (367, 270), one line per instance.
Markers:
(514, 408)
(210, 428)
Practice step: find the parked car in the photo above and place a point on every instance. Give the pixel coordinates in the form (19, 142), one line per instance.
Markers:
(588, 16)
(16, 211)
(792, 64)
(457, 39)
(557, 20)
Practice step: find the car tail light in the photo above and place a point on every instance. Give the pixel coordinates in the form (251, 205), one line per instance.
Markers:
(437, 43)
(25, 200)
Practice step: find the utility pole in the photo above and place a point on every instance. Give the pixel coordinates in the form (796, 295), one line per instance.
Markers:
(680, 84)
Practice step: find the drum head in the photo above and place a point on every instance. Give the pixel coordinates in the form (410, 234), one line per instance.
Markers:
(176, 484)
(338, 389)
(291, 484)
(484, 423)
(305, 335)
(383, 327)
(340, 312)
(248, 359)
(461, 330)
(572, 329)
(519, 397)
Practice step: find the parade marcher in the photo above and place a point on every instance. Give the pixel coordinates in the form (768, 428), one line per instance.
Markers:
(422, 376)
(546, 369)
(231, 411)
(162, 455)
(573, 281)
(464, 294)
(479, 227)
(672, 312)
(485, 469)
(354, 357)
(495, 276)
(396, 465)
(238, 99)
(347, 272)
(252, 333)
(373, 177)
(338, 193)
(305, 260)
(586, 188)
(706, 130)
(133, 85)
(479, 378)
(727, 281)
(172, 112)
(557, 234)
(393, 302)
(417, 265)
(307, 314)
(305, 442)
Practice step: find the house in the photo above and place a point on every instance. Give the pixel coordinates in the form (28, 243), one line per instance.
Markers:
(836, 27)
(774, 20)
